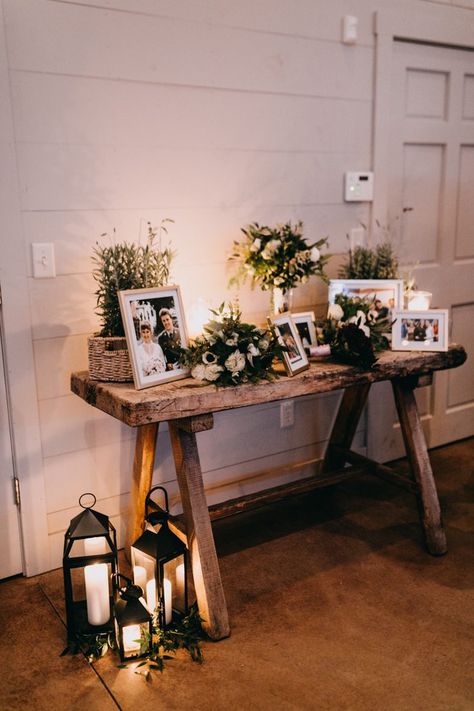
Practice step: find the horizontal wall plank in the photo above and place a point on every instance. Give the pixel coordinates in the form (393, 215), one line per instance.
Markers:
(59, 177)
(67, 425)
(52, 40)
(318, 20)
(59, 109)
(55, 358)
(63, 306)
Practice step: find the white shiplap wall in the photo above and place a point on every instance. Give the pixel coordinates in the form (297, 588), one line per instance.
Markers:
(214, 114)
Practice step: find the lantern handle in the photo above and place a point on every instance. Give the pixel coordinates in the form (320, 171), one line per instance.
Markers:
(148, 499)
(116, 580)
(87, 493)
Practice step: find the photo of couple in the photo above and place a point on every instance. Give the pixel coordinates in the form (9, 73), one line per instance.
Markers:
(424, 330)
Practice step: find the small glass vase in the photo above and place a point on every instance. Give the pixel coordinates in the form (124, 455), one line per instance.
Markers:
(281, 300)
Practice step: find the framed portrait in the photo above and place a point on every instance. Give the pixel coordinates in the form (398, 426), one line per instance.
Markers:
(295, 358)
(304, 322)
(420, 330)
(155, 329)
(387, 294)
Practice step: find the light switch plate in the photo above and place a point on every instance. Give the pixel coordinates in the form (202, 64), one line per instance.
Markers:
(43, 260)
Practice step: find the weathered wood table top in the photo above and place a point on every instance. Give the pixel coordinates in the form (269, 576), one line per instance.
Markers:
(188, 398)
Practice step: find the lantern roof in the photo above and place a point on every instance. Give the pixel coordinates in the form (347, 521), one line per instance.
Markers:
(159, 545)
(87, 524)
(131, 611)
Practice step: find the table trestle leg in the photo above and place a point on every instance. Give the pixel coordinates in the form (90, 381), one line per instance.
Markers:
(142, 478)
(345, 425)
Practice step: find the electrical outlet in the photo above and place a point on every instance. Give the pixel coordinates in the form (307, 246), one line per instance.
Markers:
(287, 413)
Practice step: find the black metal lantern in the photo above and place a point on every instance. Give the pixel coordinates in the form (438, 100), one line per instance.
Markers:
(89, 560)
(159, 560)
(133, 621)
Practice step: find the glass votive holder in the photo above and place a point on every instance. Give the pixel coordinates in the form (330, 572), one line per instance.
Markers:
(419, 300)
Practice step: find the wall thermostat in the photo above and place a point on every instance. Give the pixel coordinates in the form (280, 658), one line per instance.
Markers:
(359, 187)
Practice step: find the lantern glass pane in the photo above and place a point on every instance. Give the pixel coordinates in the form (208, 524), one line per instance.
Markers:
(98, 545)
(144, 575)
(91, 595)
(135, 639)
(174, 571)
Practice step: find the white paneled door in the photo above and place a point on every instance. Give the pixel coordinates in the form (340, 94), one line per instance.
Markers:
(10, 547)
(431, 169)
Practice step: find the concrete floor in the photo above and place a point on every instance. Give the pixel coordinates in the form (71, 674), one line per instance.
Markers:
(334, 604)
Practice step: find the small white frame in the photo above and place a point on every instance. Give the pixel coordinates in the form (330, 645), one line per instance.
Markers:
(425, 330)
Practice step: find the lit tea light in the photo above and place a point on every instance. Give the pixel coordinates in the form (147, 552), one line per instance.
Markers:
(131, 638)
(419, 300)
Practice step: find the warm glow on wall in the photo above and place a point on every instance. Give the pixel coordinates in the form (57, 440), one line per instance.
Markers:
(197, 316)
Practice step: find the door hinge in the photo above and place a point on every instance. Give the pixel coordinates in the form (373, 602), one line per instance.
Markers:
(16, 490)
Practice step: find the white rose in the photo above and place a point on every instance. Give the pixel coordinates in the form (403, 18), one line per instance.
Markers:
(335, 312)
(213, 371)
(315, 254)
(199, 372)
(235, 362)
(256, 244)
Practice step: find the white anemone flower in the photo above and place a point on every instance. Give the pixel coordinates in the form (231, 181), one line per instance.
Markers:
(208, 357)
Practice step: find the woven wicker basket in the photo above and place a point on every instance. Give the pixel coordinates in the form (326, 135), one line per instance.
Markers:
(109, 359)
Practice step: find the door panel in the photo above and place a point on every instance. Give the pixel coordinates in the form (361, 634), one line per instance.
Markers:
(432, 171)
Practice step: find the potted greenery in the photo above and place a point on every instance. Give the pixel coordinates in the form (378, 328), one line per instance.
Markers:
(119, 266)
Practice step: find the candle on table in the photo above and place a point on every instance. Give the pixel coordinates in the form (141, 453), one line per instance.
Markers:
(97, 593)
(419, 300)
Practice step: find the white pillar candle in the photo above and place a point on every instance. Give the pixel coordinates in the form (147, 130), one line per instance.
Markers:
(151, 595)
(94, 546)
(168, 600)
(97, 593)
(419, 300)
(180, 586)
(139, 576)
(131, 633)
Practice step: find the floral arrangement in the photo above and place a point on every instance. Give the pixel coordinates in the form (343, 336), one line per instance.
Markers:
(230, 352)
(353, 331)
(277, 257)
(125, 265)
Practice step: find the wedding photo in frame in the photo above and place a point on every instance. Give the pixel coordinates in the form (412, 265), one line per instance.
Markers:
(295, 358)
(304, 322)
(155, 329)
(420, 330)
(386, 294)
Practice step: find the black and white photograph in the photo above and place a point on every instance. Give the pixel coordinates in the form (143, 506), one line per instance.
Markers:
(386, 295)
(304, 322)
(156, 331)
(420, 330)
(295, 358)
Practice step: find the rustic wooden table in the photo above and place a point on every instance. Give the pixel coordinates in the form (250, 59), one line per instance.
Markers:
(188, 408)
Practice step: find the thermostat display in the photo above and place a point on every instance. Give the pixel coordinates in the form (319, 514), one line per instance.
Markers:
(359, 187)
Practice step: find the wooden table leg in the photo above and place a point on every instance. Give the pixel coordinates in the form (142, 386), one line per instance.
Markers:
(142, 477)
(417, 453)
(345, 425)
(206, 574)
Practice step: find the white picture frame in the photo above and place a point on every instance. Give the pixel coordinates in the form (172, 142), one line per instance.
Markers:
(388, 291)
(304, 322)
(423, 330)
(155, 329)
(295, 359)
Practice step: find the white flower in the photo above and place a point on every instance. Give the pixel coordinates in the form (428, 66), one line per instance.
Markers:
(208, 358)
(199, 372)
(315, 254)
(359, 319)
(235, 362)
(270, 248)
(335, 312)
(213, 371)
(251, 352)
(233, 340)
(256, 244)
(263, 344)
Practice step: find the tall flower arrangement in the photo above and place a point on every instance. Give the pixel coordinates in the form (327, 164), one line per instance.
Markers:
(230, 352)
(277, 257)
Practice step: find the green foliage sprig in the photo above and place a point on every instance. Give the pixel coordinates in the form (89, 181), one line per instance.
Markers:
(354, 332)
(230, 352)
(381, 262)
(127, 266)
(277, 257)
